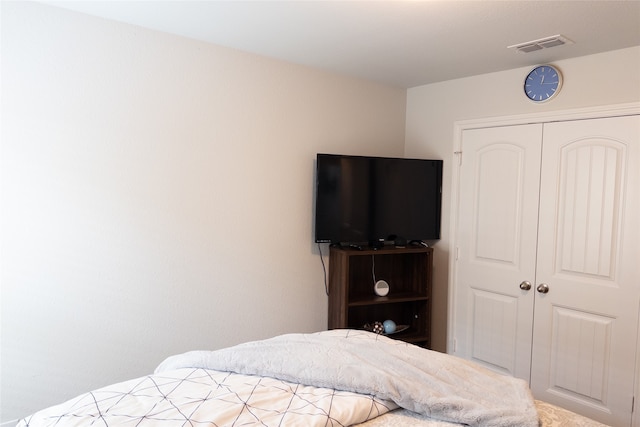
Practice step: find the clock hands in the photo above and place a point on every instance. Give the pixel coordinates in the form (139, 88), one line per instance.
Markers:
(542, 79)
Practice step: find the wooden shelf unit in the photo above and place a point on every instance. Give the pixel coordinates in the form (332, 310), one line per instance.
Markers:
(353, 302)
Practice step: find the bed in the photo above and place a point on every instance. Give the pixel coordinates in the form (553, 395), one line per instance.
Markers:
(331, 378)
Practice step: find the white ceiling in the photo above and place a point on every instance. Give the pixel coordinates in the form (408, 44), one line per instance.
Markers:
(401, 43)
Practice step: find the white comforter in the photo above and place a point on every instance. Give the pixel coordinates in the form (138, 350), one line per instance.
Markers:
(303, 380)
(437, 385)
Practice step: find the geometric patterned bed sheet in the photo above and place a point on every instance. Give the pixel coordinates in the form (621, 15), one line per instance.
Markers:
(201, 397)
(205, 397)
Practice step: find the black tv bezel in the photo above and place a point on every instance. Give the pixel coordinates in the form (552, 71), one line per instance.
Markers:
(377, 241)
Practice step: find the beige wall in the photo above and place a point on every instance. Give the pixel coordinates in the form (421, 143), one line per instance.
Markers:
(432, 110)
(157, 197)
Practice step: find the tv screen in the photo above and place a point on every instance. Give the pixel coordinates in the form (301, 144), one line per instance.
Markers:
(362, 200)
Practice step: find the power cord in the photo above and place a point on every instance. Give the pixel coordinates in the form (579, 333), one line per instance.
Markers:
(324, 270)
(373, 268)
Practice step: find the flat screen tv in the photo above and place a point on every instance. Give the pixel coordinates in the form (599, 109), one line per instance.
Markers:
(368, 200)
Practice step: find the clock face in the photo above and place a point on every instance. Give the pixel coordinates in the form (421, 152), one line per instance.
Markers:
(542, 83)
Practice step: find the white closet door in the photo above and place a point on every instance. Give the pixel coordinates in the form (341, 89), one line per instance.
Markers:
(497, 232)
(588, 255)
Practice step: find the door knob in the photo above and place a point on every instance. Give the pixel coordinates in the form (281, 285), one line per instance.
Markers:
(526, 285)
(543, 288)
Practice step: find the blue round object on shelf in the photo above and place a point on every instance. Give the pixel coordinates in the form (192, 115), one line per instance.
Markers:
(389, 326)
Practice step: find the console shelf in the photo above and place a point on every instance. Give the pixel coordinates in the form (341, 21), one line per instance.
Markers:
(353, 302)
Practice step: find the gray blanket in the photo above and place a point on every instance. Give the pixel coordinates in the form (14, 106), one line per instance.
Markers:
(438, 385)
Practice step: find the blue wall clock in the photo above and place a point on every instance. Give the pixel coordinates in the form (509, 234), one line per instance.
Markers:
(542, 83)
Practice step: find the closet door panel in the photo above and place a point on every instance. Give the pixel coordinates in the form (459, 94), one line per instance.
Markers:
(497, 221)
(584, 327)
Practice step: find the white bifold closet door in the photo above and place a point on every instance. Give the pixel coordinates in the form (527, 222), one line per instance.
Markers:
(548, 259)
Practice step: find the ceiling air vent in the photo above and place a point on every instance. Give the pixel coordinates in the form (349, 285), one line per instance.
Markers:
(547, 42)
